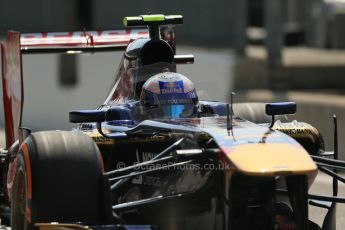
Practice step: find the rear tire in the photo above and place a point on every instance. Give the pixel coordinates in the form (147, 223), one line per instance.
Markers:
(59, 178)
(19, 194)
(255, 112)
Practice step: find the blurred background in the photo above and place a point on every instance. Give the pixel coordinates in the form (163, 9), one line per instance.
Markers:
(264, 50)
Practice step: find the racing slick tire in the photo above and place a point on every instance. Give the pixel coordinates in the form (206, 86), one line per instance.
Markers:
(59, 178)
(255, 112)
(251, 203)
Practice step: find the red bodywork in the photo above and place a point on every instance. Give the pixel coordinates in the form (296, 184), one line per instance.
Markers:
(12, 85)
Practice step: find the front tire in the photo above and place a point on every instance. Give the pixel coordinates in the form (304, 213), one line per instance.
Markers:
(59, 178)
(19, 194)
(252, 201)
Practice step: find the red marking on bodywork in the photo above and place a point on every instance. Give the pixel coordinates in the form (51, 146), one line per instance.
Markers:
(12, 171)
(99, 32)
(90, 40)
(28, 214)
(63, 35)
(101, 162)
(81, 38)
(283, 224)
(28, 37)
(113, 33)
(28, 169)
(12, 85)
(227, 149)
(223, 155)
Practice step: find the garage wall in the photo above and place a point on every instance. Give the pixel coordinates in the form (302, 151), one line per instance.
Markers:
(37, 15)
(205, 22)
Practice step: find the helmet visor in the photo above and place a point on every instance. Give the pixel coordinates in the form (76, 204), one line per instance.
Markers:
(177, 111)
(174, 111)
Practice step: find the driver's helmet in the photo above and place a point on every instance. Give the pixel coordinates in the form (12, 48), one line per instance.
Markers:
(169, 95)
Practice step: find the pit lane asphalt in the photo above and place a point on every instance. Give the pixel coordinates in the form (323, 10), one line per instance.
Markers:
(321, 186)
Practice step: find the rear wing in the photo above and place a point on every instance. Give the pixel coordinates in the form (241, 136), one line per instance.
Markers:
(79, 41)
(17, 44)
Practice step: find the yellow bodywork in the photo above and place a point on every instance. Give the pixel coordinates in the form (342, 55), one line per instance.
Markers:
(271, 159)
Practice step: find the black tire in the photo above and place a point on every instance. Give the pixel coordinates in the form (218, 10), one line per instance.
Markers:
(59, 178)
(255, 112)
(297, 187)
(247, 192)
(313, 226)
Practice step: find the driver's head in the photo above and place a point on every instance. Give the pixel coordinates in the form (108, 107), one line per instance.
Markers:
(169, 95)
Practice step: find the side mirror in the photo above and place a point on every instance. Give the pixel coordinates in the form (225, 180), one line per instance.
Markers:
(117, 113)
(81, 116)
(184, 59)
(280, 108)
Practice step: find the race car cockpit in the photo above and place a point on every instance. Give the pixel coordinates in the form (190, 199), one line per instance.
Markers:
(154, 92)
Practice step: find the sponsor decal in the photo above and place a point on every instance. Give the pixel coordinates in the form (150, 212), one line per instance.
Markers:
(297, 131)
(171, 87)
(145, 179)
(98, 138)
(147, 156)
(176, 101)
(102, 140)
(170, 77)
(138, 180)
(152, 181)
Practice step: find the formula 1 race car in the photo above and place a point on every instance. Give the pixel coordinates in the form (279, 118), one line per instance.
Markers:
(154, 155)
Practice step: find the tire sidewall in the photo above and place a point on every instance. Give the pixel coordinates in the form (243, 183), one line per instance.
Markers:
(19, 199)
(62, 178)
